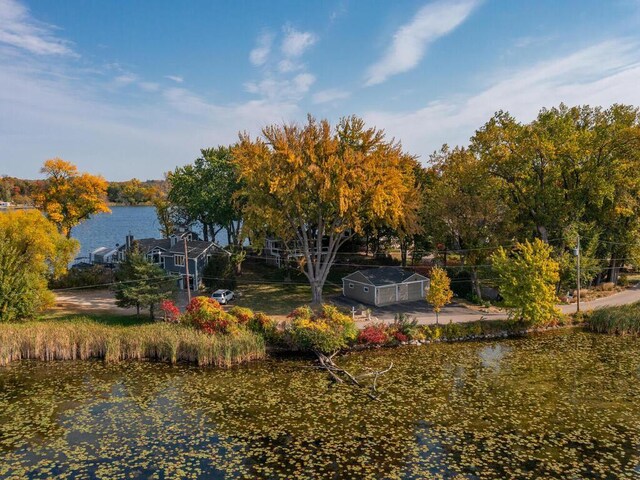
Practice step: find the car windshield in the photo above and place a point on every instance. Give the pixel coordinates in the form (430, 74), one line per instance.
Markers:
(218, 294)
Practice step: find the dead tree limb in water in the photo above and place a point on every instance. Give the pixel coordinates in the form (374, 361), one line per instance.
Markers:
(336, 372)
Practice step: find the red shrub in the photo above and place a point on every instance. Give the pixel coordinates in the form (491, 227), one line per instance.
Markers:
(401, 337)
(170, 312)
(207, 315)
(373, 335)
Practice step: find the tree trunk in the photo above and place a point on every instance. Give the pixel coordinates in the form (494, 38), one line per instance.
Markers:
(404, 246)
(614, 270)
(151, 312)
(475, 284)
(205, 232)
(316, 292)
(138, 309)
(542, 231)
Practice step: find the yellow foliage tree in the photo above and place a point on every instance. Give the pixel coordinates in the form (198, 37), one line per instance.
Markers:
(439, 293)
(69, 197)
(31, 251)
(527, 278)
(315, 187)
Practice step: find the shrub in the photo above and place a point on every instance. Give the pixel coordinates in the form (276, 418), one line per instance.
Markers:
(170, 312)
(265, 325)
(405, 325)
(326, 331)
(206, 314)
(606, 286)
(623, 280)
(243, 315)
(373, 335)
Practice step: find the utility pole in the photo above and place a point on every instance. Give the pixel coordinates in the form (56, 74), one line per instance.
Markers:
(578, 282)
(186, 268)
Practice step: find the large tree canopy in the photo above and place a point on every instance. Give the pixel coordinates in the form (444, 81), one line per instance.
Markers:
(314, 187)
(68, 197)
(31, 252)
(205, 191)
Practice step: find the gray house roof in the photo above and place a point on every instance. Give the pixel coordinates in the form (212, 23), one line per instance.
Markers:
(384, 276)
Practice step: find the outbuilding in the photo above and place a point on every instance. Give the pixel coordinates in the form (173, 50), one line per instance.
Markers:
(385, 286)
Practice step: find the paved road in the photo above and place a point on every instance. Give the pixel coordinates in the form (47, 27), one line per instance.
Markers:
(459, 313)
(102, 301)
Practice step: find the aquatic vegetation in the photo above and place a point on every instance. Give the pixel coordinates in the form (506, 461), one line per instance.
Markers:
(622, 320)
(81, 340)
(556, 405)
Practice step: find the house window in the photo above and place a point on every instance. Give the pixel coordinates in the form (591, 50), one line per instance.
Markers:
(351, 285)
(178, 260)
(366, 289)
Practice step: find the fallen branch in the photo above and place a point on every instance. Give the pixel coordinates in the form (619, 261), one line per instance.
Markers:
(327, 363)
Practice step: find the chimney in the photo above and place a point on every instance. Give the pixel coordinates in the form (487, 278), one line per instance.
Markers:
(129, 241)
(173, 239)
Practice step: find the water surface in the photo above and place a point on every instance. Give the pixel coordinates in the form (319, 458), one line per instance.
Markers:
(559, 405)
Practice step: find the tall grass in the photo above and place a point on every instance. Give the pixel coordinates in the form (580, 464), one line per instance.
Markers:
(85, 339)
(623, 319)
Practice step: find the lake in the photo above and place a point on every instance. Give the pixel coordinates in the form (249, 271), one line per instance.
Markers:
(555, 405)
(107, 229)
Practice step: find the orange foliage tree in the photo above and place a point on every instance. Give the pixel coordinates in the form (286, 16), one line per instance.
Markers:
(68, 197)
(315, 187)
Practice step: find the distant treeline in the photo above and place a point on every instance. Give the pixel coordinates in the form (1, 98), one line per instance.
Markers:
(131, 192)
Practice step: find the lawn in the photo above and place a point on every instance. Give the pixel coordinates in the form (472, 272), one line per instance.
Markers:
(276, 299)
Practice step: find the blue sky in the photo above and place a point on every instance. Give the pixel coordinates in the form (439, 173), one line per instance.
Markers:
(134, 88)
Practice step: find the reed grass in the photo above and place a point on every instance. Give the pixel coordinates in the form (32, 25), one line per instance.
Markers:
(81, 339)
(621, 320)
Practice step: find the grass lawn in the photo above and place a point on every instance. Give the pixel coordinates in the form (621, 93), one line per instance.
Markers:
(275, 299)
(112, 319)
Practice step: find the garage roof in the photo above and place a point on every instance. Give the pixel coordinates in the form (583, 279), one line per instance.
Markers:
(384, 275)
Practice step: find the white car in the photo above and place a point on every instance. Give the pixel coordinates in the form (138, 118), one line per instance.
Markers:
(222, 296)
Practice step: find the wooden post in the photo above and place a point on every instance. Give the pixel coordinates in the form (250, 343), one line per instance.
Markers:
(578, 282)
(186, 268)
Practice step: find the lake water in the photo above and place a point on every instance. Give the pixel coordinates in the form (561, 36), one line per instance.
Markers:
(109, 229)
(557, 405)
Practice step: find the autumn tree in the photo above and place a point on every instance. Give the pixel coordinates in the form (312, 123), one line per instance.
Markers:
(527, 278)
(31, 253)
(439, 293)
(142, 284)
(68, 197)
(315, 187)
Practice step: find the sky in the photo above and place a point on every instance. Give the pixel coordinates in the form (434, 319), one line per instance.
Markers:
(135, 88)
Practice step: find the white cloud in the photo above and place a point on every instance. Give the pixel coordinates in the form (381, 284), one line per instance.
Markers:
(411, 40)
(296, 42)
(149, 86)
(258, 56)
(175, 78)
(602, 74)
(125, 79)
(330, 95)
(19, 30)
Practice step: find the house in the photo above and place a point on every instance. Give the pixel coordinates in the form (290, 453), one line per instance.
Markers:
(385, 286)
(104, 256)
(169, 254)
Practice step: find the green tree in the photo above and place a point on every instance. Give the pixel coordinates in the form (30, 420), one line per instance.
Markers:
(208, 191)
(142, 284)
(32, 251)
(315, 187)
(468, 213)
(439, 293)
(527, 277)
